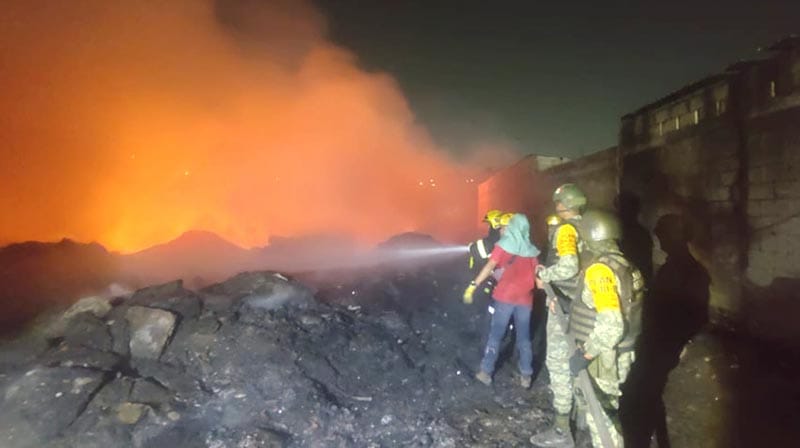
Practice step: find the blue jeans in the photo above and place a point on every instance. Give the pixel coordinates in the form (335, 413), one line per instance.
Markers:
(522, 325)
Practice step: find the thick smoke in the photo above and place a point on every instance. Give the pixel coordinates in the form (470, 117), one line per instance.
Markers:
(129, 123)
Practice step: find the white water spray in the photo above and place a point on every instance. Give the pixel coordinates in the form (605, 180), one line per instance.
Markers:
(379, 256)
(404, 254)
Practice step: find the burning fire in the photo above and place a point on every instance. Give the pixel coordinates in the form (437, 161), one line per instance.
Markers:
(129, 123)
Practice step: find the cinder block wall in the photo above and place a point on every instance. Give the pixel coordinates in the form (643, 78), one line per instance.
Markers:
(694, 173)
(725, 153)
(523, 188)
(773, 203)
(772, 288)
(597, 174)
(519, 188)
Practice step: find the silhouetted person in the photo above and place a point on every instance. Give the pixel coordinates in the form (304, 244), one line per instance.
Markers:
(675, 310)
(636, 243)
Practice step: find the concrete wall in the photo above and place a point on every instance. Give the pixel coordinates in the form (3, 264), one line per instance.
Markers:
(724, 152)
(519, 188)
(524, 188)
(596, 174)
(773, 205)
(772, 288)
(693, 172)
(510, 189)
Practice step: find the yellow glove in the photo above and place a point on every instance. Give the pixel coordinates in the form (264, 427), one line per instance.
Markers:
(469, 292)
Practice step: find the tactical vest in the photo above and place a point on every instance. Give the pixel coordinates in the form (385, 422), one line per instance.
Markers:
(571, 286)
(630, 289)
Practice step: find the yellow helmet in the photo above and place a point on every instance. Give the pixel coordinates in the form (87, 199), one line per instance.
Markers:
(505, 219)
(493, 218)
(553, 220)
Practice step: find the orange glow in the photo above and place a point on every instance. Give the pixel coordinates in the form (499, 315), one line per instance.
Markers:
(130, 124)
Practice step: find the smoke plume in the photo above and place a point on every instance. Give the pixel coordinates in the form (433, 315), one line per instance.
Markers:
(128, 123)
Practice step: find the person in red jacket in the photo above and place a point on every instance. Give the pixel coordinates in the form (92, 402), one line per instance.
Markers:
(513, 296)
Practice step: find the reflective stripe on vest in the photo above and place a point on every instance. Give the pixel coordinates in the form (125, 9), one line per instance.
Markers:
(481, 249)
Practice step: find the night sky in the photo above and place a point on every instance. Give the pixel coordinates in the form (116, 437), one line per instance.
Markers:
(129, 123)
(549, 77)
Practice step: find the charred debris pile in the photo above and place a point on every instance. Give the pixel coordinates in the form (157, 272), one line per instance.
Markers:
(378, 357)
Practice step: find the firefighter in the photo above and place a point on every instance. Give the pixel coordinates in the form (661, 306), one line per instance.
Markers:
(562, 268)
(480, 250)
(497, 273)
(553, 222)
(504, 220)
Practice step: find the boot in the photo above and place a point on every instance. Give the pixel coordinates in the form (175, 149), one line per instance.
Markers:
(557, 436)
(525, 381)
(484, 378)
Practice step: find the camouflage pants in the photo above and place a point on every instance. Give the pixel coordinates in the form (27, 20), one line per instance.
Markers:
(557, 362)
(610, 379)
(594, 431)
(607, 380)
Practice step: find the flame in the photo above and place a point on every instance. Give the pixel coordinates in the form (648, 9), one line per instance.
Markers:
(128, 123)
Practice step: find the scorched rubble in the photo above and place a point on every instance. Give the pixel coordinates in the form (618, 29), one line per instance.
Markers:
(375, 358)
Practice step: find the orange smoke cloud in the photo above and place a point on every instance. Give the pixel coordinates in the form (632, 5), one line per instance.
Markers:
(129, 123)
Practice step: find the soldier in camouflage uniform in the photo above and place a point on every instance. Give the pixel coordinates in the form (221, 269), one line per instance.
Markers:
(561, 271)
(606, 321)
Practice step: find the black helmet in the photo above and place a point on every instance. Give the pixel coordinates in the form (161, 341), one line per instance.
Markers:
(600, 225)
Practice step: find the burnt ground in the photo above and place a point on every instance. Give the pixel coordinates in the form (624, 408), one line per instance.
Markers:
(375, 358)
(733, 391)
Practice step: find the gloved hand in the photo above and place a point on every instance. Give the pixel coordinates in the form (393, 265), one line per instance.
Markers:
(469, 292)
(578, 362)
